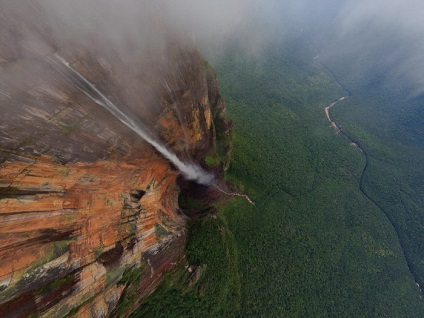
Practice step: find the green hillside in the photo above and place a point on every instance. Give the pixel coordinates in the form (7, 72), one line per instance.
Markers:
(314, 246)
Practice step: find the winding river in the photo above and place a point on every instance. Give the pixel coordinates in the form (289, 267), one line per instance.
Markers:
(361, 182)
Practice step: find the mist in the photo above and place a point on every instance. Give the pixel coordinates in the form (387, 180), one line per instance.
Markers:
(376, 40)
(370, 39)
(390, 29)
(373, 39)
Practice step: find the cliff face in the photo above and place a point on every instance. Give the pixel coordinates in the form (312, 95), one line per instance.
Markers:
(89, 216)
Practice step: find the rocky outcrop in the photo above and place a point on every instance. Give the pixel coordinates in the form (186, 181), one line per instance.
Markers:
(89, 216)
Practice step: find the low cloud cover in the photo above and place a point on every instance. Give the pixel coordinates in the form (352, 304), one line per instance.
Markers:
(384, 35)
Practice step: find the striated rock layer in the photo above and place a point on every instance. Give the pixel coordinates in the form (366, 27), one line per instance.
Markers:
(68, 232)
(89, 213)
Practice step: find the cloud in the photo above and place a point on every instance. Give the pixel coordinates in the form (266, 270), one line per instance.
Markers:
(379, 35)
(372, 38)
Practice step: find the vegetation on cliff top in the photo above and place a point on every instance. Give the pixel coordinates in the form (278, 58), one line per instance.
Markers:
(209, 286)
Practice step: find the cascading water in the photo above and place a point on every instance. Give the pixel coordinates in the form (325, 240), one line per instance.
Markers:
(191, 170)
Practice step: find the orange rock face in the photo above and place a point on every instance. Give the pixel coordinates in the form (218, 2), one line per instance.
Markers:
(87, 208)
(88, 219)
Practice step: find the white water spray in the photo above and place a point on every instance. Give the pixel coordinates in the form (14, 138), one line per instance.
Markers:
(191, 171)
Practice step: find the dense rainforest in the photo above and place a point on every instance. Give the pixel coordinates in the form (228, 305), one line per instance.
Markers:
(335, 229)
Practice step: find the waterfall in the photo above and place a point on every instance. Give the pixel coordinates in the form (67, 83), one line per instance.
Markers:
(191, 170)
